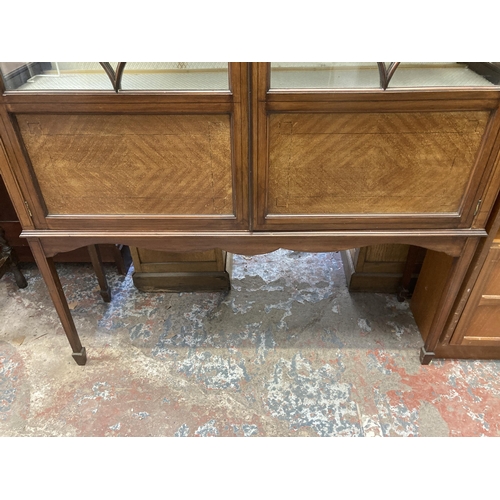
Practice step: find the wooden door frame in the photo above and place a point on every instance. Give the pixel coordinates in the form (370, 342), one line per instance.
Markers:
(266, 101)
(233, 103)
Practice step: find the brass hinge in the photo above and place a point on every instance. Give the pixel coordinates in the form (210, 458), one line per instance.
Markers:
(477, 207)
(28, 209)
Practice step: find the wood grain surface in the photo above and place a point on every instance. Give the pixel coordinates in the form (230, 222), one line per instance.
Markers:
(131, 164)
(371, 163)
(480, 321)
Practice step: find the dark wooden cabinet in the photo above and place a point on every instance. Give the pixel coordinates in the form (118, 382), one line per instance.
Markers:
(249, 158)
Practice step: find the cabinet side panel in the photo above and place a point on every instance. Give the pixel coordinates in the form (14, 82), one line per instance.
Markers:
(430, 285)
(372, 163)
(131, 164)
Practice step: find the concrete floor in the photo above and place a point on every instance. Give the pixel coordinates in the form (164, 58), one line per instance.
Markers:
(287, 352)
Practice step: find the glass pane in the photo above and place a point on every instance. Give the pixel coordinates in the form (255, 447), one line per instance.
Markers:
(324, 75)
(175, 76)
(445, 74)
(55, 76)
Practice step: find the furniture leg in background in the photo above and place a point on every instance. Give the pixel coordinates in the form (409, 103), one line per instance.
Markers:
(8, 261)
(412, 267)
(95, 257)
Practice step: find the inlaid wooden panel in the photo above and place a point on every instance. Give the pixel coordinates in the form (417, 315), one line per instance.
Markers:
(371, 163)
(131, 164)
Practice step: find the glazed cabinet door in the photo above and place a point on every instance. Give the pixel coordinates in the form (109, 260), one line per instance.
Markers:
(131, 145)
(335, 150)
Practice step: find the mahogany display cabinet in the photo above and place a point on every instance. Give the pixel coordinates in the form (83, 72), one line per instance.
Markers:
(254, 157)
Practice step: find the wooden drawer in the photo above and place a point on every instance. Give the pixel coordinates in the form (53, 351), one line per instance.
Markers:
(479, 324)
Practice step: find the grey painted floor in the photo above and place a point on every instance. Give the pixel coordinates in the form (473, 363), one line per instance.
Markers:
(287, 352)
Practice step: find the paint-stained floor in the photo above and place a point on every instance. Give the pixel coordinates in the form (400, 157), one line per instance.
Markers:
(287, 352)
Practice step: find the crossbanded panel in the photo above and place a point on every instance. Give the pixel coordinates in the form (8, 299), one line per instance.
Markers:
(131, 164)
(371, 163)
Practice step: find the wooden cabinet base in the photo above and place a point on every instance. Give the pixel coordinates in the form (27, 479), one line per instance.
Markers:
(182, 282)
(479, 323)
(377, 268)
(181, 272)
(467, 352)
(473, 328)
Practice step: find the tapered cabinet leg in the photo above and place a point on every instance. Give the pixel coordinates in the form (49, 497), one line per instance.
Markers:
(49, 274)
(95, 257)
(80, 357)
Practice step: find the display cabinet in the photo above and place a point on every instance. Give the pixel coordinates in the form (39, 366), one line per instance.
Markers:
(249, 158)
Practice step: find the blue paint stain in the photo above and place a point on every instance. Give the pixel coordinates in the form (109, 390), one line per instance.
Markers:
(316, 398)
(7, 398)
(216, 372)
(402, 420)
(182, 431)
(249, 430)
(207, 430)
(476, 398)
(7, 390)
(139, 332)
(330, 337)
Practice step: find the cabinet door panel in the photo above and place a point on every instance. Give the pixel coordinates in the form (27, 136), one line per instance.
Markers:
(492, 284)
(131, 164)
(484, 329)
(371, 163)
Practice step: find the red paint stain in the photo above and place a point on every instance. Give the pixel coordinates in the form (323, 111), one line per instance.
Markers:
(459, 405)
